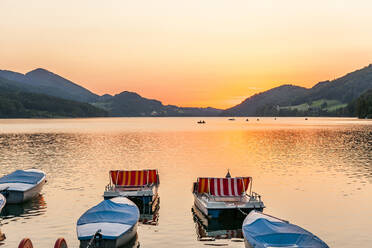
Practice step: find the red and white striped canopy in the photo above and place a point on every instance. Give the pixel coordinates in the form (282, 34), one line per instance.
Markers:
(134, 177)
(223, 186)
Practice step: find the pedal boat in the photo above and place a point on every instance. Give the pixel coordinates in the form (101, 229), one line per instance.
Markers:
(140, 186)
(22, 185)
(225, 198)
(115, 220)
(265, 231)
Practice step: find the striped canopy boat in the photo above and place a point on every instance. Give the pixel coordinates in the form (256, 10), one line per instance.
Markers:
(141, 186)
(225, 197)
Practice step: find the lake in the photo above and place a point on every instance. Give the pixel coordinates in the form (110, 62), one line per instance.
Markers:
(316, 173)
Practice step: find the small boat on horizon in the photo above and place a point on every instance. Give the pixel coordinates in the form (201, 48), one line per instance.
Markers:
(140, 186)
(22, 185)
(201, 122)
(264, 231)
(112, 222)
(231, 119)
(226, 198)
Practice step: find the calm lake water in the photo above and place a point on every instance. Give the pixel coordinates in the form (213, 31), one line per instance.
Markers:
(316, 173)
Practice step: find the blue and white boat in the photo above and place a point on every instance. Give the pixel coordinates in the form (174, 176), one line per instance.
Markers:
(265, 231)
(22, 185)
(116, 219)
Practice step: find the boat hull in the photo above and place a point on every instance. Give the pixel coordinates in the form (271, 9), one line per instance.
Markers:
(17, 196)
(226, 211)
(144, 199)
(120, 241)
(247, 244)
(2, 202)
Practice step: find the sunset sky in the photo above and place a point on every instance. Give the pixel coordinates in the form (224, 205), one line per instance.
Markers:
(191, 52)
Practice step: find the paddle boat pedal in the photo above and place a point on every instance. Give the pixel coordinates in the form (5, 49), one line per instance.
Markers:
(2, 237)
(140, 186)
(26, 243)
(226, 198)
(60, 243)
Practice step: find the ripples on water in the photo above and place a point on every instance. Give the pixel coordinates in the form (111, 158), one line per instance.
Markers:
(315, 173)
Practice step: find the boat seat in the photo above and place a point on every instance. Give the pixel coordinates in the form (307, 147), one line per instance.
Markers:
(227, 199)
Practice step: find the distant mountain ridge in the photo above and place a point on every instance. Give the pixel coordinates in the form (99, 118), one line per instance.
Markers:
(45, 82)
(132, 104)
(126, 103)
(285, 99)
(282, 95)
(15, 103)
(327, 98)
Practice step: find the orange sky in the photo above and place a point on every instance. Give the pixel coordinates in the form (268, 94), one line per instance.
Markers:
(189, 53)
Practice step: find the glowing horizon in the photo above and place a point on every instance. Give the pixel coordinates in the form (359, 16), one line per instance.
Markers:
(192, 54)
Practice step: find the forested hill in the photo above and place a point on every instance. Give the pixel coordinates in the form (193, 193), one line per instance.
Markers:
(126, 103)
(132, 104)
(15, 103)
(362, 106)
(42, 81)
(41, 93)
(327, 98)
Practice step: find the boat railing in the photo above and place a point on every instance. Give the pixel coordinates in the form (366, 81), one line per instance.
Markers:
(223, 198)
(255, 196)
(112, 187)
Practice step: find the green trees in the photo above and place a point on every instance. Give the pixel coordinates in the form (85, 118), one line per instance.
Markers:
(363, 105)
(15, 104)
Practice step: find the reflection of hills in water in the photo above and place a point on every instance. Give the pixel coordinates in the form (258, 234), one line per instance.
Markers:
(149, 215)
(35, 207)
(211, 229)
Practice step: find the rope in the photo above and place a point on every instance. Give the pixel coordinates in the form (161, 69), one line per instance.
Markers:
(96, 238)
(245, 214)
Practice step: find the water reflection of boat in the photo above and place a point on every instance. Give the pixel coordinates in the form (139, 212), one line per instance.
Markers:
(22, 185)
(35, 207)
(226, 198)
(150, 214)
(211, 229)
(140, 186)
